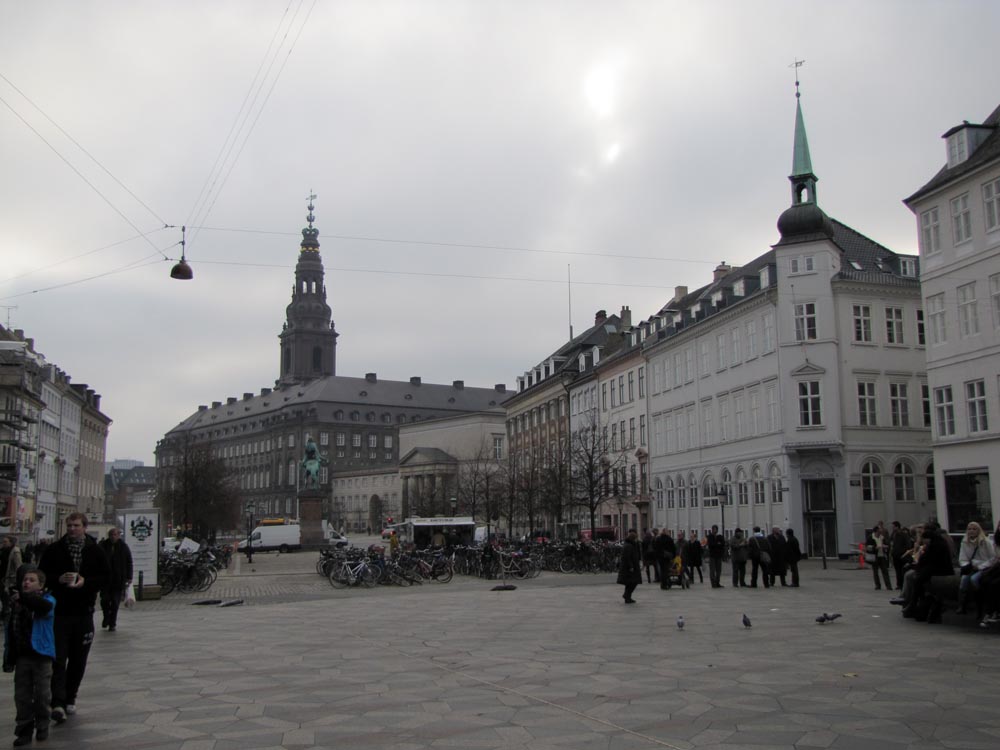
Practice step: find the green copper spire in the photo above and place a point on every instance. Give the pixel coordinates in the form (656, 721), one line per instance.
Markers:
(801, 163)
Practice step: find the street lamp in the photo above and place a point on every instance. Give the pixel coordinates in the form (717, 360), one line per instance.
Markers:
(182, 271)
(250, 509)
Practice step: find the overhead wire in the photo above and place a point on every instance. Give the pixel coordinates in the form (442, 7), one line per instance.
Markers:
(131, 266)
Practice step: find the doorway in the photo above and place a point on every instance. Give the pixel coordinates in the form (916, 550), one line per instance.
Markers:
(820, 517)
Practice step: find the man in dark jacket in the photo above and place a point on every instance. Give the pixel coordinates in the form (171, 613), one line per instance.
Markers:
(935, 561)
(716, 551)
(793, 553)
(75, 570)
(779, 558)
(120, 563)
(759, 549)
(629, 570)
(666, 550)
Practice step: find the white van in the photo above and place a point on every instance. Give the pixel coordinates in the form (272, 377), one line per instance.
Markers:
(287, 537)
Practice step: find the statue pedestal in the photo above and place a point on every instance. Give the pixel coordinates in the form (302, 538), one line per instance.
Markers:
(311, 518)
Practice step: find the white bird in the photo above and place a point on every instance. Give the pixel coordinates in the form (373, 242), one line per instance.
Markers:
(680, 622)
(746, 621)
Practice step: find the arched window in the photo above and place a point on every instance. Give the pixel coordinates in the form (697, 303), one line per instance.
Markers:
(902, 480)
(658, 491)
(727, 487)
(317, 358)
(758, 486)
(693, 484)
(775, 482)
(709, 492)
(871, 482)
(681, 493)
(742, 488)
(671, 497)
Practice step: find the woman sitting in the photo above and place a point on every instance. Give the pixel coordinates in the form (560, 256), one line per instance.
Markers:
(975, 554)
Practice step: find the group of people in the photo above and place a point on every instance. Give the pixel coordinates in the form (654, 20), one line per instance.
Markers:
(926, 551)
(772, 557)
(49, 620)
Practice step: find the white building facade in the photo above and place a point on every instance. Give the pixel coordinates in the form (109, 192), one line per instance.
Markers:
(788, 391)
(958, 220)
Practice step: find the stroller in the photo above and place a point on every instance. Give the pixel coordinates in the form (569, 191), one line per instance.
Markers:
(676, 574)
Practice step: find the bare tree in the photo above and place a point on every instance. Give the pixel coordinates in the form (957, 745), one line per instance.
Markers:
(198, 492)
(594, 462)
(556, 486)
(473, 481)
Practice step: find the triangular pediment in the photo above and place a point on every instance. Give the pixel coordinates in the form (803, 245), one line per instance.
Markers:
(808, 369)
(422, 456)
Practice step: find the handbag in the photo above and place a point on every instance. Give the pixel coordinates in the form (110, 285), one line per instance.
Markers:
(967, 569)
(129, 596)
(765, 557)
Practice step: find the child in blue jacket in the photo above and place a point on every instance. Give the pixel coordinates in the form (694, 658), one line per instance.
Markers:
(31, 650)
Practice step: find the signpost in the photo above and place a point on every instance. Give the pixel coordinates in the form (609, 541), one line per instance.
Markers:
(142, 534)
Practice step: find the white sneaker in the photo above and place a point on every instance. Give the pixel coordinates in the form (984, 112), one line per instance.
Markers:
(71, 708)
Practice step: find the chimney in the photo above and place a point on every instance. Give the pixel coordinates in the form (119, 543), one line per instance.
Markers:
(500, 387)
(721, 270)
(458, 384)
(247, 396)
(600, 317)
(265, 391)
(97, 401)
(679, 291)
(202, 407)
(216, 404)
(626, 317)
(371, 377)
(231, 400)
(415, 381)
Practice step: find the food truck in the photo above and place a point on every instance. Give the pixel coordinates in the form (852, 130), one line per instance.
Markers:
(421, 530)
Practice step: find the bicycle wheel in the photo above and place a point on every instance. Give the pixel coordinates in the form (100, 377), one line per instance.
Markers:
(567, 565)
(338, 577)
(367, 578)
(167, 583)
(442, 573)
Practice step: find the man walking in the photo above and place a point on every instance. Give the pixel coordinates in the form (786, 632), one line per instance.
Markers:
(778, 557)
(665, 550)
(75, 570)
(716, 551)
(120, 565)
(793, 553)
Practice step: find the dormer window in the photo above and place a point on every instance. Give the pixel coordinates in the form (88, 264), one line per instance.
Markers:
(907, 267)
(716, 298)
(765, 277)
(740, 288)
(856, 266)
(695, 309)
(958, 148)
(802, 264)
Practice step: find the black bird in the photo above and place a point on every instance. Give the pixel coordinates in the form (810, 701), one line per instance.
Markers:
(746, 621)
(680, 622)
(832, 617)
(821, 619)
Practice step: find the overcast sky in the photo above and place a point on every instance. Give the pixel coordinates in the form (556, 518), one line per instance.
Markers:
(464, 155)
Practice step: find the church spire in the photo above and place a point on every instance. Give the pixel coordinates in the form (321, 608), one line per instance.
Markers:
(308, 338)
(804, 220)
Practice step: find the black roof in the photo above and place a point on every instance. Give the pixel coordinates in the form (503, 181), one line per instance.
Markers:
(988, 150)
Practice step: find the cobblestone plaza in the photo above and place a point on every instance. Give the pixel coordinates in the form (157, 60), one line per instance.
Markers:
(560, 662)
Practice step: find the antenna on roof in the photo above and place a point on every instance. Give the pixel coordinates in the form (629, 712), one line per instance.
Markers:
(569, 302)
(8, 308)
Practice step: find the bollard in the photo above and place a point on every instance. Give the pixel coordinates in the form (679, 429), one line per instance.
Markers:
(138, 593)
(861, 555)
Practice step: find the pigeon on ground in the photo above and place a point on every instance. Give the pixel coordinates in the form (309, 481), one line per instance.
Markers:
(680, 622)
(827, 618)
(821, 619)
(746, 621)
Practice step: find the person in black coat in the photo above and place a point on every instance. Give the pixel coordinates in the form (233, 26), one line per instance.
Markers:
(75, 571)
(120, 564)
(665, 550)
(630, 568)
(793, 553)
(935, 561)
(716, 551)
(779, 558)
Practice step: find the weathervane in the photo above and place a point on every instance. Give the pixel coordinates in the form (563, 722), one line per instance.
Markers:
(310, 217)
(797, 64)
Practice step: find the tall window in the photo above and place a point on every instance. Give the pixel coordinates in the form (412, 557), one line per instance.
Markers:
(866, 404)
(723, 418)
(961, 219)
(758, 486)
(775, 482)
(727, 488)
(720, 350)
(944, 408)
(930, 231)
(871, 482)
(751, 339)
(735, 340)
(810, 405)
(642, 429)
(706, 422)
(742, 488)
(902, 480)
(805, 321)
(991, 204)
(968, 313)
(862, 323)
(678, 370)
(604, 396)
(899, 405)
(768, 342)
(631, 432)
(497, 448)
(995, 298)
(621, 389)
(921, 338)
(935, 312)
(738, 427)
(772, 408)
(642, 382)
(681, 493)
(975, 400)
(703, 355)
(753, 428)
(631, 386)
(931, 484)
(894, 325)
(671, 495)
(925, 403)
(693, 491)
